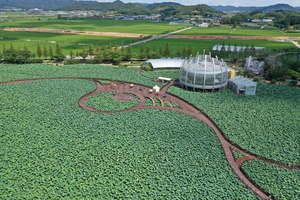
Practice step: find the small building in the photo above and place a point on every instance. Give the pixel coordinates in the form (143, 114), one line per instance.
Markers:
(163, 79)
(242, 85)
(203, 25)
(257, 67)
(267, 20)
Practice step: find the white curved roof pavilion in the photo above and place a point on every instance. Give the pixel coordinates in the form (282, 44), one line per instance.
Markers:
(166, 63)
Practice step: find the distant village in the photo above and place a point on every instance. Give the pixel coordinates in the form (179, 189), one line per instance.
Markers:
(200, 21)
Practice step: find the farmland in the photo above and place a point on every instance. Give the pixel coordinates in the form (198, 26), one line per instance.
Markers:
(281, 183)
(53, 149)
(76, 42)
(267, 124)
(105, 102)
(200, 45)
(66, 42)
(122, 26)
(238, 32)
(73, 153)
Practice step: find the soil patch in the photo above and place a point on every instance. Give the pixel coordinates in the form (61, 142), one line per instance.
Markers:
(74, 32)
(225, 37)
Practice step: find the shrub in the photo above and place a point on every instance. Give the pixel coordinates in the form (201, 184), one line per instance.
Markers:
(72, 61)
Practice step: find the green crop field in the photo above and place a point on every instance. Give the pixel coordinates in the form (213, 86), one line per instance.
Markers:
(267, 124)
(76, 42)
(105, 102)
(237, 32)
(123, 26)
(51, 148)
(66, 42)
(281, 183)
(200, 45)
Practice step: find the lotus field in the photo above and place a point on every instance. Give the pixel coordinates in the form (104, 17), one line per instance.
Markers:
(52, 148)
(281, 183)
(106, 102)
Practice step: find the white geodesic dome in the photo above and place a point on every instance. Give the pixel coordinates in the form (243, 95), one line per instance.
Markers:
(204, 72)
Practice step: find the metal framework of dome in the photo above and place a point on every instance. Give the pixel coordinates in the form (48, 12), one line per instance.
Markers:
(204, 72)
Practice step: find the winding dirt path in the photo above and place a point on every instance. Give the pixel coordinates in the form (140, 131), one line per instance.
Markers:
(142, 92)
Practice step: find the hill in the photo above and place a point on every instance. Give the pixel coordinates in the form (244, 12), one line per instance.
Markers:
(234, 9)
(30, 4)
(165, 9)
(271, 8)
(277, 7)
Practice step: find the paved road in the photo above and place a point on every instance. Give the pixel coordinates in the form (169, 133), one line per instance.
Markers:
(296, 43)
(155, 37)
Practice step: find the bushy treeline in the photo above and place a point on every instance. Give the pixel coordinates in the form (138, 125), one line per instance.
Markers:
(22, 56)
(104, 54)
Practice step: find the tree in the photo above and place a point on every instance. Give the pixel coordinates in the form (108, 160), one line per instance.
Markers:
(51, 53)
(91, 51)
(167, 52)
(189, 51)
(184, 52)
(58, 50)
(252, 51)
(160, 52)
(116, 56)
(10, 55)
(241, 71)
(84, 54)
(45, 52)
(23, 56)
(178, 54)
(128, 54)
(71, 54)
(142, 49)
(16, 56)
(3, 48)
(59, 56)
(277, 73)
(39, 52)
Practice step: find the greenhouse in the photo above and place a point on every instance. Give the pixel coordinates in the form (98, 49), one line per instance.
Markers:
(165, 63)
(203, 72)
(242, 85)
(234, 48)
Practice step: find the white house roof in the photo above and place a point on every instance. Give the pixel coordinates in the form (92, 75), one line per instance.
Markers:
(166, 63)
(242, 81)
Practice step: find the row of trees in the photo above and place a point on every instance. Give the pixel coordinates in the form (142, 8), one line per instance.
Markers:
(116, 55)
(20, 56)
